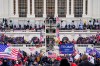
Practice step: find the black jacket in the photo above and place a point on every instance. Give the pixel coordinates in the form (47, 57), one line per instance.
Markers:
(86, 63)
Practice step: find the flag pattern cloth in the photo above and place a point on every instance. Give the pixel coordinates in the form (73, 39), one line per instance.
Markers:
(57, 29)
(57, 34)
(1, 62)
(31, 49)
(76, 51)
(7, 52)
(41, 36)
(57, 19)
(14, 53)
(3, 48)
(52, 55)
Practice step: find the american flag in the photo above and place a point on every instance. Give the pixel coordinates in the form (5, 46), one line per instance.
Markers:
(7, 52)
(31, 49)
(57, 30)
(76, 51)
(52, 55)
(8, 56)
(4, 55)
(57, 34)
(57, 19)
(14, 53)
(3, 47)
(1, 62)
(41, 36)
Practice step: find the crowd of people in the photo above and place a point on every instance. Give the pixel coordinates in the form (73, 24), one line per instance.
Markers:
(4, 39)
(94, 39)
(92, 25)
(9, 25)
(38, 59)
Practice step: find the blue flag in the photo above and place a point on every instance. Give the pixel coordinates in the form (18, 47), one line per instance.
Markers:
(88, 50)
(3, 47)
(97, 52)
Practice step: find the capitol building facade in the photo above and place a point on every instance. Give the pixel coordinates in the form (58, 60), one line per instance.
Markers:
(38, 10)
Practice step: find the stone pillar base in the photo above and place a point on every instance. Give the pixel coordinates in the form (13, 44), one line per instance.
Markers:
(56, 15)
(33, 16)
(44, 16)
(69, 16)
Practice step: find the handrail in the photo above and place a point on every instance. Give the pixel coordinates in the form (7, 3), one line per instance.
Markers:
(21, 31)
(84, 45)
(79, 30)
(28, 45)
(25, 45)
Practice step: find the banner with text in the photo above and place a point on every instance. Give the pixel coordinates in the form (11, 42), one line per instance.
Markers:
(66, 48)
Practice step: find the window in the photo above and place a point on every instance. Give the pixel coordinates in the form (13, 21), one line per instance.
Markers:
(62, 6)
(38, 8)
(69, 6)
(14, 6)
(50, 8)
(31, 7)
(78, 8)
(22, 8)
(86, 6)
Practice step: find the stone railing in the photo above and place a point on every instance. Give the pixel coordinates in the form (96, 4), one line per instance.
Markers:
(26, 45)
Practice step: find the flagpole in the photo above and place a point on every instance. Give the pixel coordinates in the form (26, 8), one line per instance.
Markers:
(45, 37)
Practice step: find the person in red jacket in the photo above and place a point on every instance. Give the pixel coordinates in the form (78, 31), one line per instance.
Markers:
(73, 64)
(18, 64)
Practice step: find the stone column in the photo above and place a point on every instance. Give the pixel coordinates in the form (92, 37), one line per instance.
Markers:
(11, 9)
(67, 13)
(16, 8)
(28, 8)
(72, 7)
(56, 8)
(33, 8)
(84, 6)
(89, 12)
(44, 8)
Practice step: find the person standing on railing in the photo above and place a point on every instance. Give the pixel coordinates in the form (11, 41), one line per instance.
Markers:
(19, 26)
(3, 26)
(84, 26)
(35, 27)
(81, 25)
(96, 25)
(24, 26)
(30, 27)
(39, 27)
(73, 25)
(11, 24)
(66, 27)
(69, 27)
(90, 25)
(28, 24)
